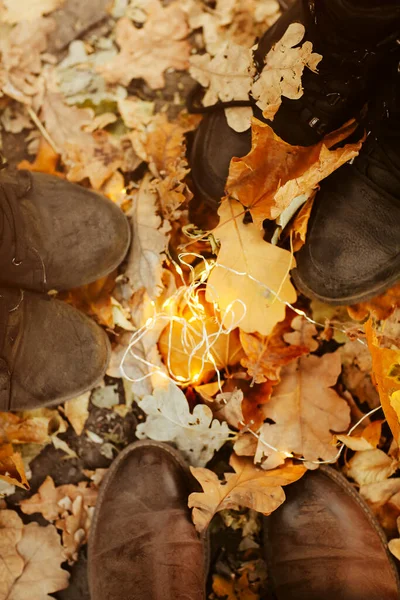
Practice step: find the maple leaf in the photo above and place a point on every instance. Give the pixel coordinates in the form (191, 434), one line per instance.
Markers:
(178, 342)
(371, 466)
(11, 467)
(228, 76)
(147, 52)
(169, 419)
(304, 410)
(273, 173)
(385, 362)
(34, 556)
(283, 69)
(381, 306)
(19, 69)
(266, 355)
(149, 242)
(249, 487)
(251, 276)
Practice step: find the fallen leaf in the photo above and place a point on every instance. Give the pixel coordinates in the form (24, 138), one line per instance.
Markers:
(46, 160)
(394, 547)
(11, 563)
(147, 52)
(149, 242)
(249, 487)
(30, 427)
(283, 69)
(254, 398)
(169, 419)
(75, 527)
(303, 334)
(94, 299)
(228, 76)
(371, 466)
(50, 500)
(384, 363)
(356, 372)
(367, 440)
(105, 397)
(384, 500)
(250, 281)
(381, 306)
(234, 589)
(77, 412)
(12, 467)
(303, 412)
(298, 229)
(230, 408)
(27, 10)
(273, 173)
(184, 345)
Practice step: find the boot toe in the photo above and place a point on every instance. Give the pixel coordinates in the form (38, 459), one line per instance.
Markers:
(61, 354)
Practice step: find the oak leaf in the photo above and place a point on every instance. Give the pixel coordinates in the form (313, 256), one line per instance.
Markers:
(273, 173)
(266, 355)
(250, 281)
(304, 410)
(303, 334)
(197, 435)
(27, 10)
(249, 487)
(356, 372)
(147, 52)
(283, 69)
(385, 362)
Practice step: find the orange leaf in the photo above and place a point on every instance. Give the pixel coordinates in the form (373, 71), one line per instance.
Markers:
(273, 173)
(381, 306)
(12, 468)
(94, 299)
(254, 397)
(384, 364)
(46, 160)
(300, 224)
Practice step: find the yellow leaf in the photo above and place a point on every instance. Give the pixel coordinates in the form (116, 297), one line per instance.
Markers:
(381, 306)
(27, 10)
(250, 281)
(249, 486)
(384, 361)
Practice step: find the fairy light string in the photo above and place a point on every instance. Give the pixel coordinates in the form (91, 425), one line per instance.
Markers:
(198, 342)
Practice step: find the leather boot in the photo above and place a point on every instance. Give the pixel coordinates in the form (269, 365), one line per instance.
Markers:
(353, 237)
(55, 234)
(324, 543)
(49, 351)
(143, 545)
(352, 40)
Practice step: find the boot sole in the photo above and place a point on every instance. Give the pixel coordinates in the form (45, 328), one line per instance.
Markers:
(104, 485)
(350, 491)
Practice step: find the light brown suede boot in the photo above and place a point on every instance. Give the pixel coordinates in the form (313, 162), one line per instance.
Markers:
(49, 351)
(143, 544)
(55, 234)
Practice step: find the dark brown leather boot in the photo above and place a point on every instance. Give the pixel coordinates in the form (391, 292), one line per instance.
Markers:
(49, 351)
(143, 545)
(55, 234)
(323, 543)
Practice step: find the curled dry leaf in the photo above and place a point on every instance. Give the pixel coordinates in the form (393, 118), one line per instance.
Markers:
(149, 241)
(356, 372)
(385, 369)
(169, 419)
(26, 10)
(298, 229)
(230, 408)
(250, 281)
(283, 69)
(12, 467)
(30, 427)
(380, 307)
(254, 398)
(266, 355)
(371, 466)
(147, 52)
(274, 173)
(367, 440)
(11, 563)
(303, 334)
(249, 487)
(304, 410)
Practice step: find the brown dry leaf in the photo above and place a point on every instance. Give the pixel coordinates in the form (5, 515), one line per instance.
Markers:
(284, 66)
(384, 500)
(298, 229)
(274, 173)
(266, 355)
(385, 365)
(249, 487)
(305, 410)
(230, 408)
(147, 52)
(12, 467)
(356, 372)
(371, 466)
(394, 545)
(225, 351)
(11, 563)
(95, 155)
(94, 299)
(27, 10)
(46, 160)
(381, 306)
(52, 501)
(254, 397)
(77, 412)
(30, 427)
(75, 528)
(303, 334)
(367, 440)
(234, 589)
(20, 67)
(250, 281)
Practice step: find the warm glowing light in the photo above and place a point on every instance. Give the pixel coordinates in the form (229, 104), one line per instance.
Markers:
(196, 377)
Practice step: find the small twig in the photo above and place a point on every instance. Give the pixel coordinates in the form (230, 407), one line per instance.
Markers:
(43, 130)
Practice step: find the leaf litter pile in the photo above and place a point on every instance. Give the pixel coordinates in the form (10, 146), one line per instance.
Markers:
(214, 350)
